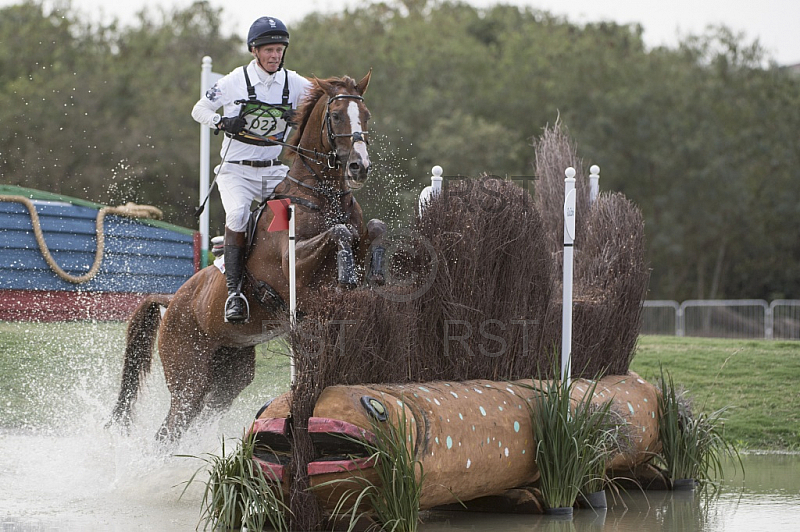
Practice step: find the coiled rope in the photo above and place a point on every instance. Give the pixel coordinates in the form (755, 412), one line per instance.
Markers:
(131, 210)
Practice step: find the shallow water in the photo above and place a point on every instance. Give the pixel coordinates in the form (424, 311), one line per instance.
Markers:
(767, 498)
(61, 470)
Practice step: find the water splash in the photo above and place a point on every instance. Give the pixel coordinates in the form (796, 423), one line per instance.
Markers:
(61, 469)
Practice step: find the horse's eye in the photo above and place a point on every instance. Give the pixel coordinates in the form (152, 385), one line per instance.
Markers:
(336, 116)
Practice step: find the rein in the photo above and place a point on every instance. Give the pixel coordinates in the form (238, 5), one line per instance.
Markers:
(330, 157)
(332, 196)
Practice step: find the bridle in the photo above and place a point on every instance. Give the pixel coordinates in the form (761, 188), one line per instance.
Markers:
(332, 196)
(330, 158)
(356, 136)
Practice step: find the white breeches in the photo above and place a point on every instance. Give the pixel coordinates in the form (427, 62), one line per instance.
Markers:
(240, 185)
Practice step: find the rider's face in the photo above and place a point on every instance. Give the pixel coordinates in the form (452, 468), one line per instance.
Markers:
(269, 56)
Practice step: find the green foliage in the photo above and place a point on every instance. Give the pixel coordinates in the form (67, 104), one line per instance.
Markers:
(692, 444)
(394, 500)
(573, 443)
(102, 112)
(238, 493)
(701, 137)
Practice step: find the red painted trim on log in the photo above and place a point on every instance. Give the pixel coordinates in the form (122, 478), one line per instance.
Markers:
(273, 471)
(340, 466)
(337, 426)
(275, 425)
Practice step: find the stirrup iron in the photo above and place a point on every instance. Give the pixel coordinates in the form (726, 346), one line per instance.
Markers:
(236, 295)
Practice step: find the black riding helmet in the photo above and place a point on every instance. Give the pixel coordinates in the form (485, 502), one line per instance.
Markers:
(268, 30)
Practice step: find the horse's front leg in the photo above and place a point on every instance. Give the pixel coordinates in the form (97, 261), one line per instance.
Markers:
(345, 237)
(373, 251)
(311, 253)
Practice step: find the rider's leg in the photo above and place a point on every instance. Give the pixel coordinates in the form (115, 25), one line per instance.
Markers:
(236, 194)
(236, 305)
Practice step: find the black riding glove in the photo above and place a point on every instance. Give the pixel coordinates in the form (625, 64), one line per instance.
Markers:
(232, 124)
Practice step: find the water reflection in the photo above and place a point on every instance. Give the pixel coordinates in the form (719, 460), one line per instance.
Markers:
(768, 498)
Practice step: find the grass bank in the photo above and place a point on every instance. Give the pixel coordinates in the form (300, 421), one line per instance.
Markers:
(758, 379)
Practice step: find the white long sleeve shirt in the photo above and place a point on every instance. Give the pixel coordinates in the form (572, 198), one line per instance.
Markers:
(233, 87)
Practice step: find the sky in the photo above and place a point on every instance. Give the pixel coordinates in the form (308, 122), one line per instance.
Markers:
(775, 23)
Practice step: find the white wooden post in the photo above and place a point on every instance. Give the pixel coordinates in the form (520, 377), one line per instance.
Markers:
(207, 79)
(292, 285)
(566, 311)
(430, 192)
(594, 183)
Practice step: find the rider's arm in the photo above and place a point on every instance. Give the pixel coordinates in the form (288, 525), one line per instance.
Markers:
(205, 110)
(221, 94)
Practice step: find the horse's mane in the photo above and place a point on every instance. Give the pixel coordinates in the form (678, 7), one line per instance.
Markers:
(315, 92)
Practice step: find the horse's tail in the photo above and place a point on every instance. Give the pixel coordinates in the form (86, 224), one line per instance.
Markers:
(138, 354)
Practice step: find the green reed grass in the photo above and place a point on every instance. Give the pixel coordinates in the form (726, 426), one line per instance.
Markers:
(238, 493)
(693, 444)
(394, 500)
(573, 443)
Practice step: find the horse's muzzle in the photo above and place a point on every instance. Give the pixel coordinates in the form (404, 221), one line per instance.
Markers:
(357, 165)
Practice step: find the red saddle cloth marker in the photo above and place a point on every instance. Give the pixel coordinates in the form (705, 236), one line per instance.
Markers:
(280, 211)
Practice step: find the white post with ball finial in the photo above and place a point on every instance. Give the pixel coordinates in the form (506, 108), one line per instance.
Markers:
(594, 183)
(430, 192)
(566, 307)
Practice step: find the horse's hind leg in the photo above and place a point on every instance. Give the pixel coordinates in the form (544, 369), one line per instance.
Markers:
(186, 356)
(182, 411)
(232, 370)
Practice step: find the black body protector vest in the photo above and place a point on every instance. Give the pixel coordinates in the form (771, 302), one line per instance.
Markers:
(266, 122)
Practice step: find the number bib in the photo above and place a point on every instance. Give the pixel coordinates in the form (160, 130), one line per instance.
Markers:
(265, 122)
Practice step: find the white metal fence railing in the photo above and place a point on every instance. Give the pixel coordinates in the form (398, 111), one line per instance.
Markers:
(728, 318)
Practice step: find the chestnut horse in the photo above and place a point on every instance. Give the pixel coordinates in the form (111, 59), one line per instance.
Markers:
(208, 362)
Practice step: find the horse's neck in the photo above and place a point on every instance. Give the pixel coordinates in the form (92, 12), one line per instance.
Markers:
(311, 164)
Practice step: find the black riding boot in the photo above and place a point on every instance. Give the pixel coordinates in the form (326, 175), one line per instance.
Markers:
(237, 309)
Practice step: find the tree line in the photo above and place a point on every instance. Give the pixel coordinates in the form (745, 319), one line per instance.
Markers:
(703, 136)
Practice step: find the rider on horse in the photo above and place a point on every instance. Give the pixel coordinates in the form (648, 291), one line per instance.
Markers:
(257, 99)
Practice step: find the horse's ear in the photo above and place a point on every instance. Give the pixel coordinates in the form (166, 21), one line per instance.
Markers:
(362, 85)
(326, 87)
